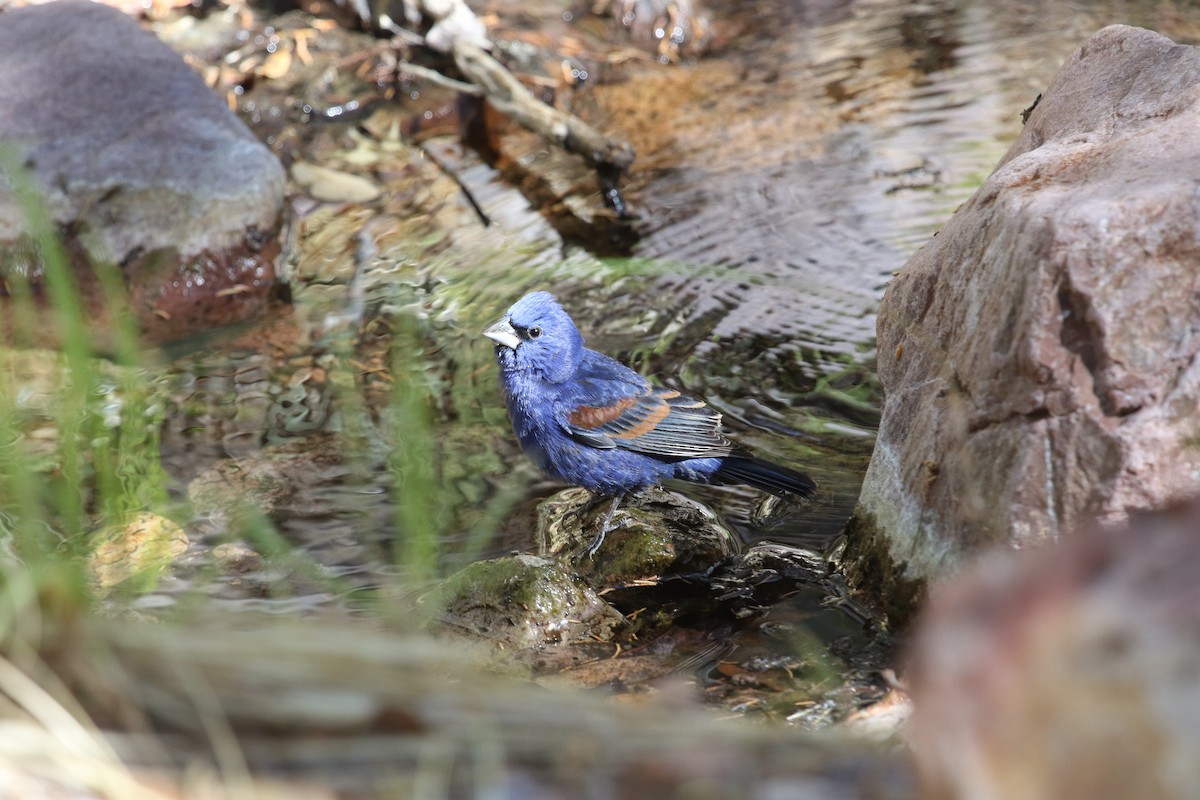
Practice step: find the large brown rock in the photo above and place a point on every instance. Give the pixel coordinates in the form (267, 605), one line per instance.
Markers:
(1070, 673)
(1039, 355)
(138, 164)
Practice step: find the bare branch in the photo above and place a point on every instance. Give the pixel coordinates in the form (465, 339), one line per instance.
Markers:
(511, 98)
(433, 76)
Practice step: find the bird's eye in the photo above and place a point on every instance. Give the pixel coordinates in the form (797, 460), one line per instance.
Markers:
(535, 332)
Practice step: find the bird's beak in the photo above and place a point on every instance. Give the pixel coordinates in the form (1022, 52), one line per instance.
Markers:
(503, 333)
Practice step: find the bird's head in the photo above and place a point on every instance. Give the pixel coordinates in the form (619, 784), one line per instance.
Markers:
(537, 337)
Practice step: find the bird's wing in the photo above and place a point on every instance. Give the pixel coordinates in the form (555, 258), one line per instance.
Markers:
(651, 420)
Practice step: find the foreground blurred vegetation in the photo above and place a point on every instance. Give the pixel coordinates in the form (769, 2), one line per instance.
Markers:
(91, 522)
(84, 499)
(78, 429)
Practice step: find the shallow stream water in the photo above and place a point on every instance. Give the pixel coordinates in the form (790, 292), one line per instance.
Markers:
(782, 178)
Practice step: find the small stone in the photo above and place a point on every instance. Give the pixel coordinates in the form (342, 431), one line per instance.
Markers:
(237, 558)
(331, 185)
(138, 552)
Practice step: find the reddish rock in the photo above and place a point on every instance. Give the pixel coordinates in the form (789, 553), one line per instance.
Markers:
(139, 164)
(1039, 355)
(1072, 672)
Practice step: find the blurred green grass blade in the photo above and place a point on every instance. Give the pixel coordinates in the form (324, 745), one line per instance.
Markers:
(412, 462)
(65, 313)
(106, 419)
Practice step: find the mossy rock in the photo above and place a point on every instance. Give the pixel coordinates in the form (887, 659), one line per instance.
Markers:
(525, 601)
(655, 533)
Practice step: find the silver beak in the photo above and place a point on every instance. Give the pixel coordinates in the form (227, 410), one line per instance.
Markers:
(503, 333)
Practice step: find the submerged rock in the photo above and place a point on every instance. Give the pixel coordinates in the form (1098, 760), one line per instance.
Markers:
(525, 601)
(529, 601)
(139, 165)
(135, 554)
(1040, 354)
(279, 478)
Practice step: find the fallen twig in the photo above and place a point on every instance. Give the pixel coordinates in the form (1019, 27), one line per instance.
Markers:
(511, 98)
(433, 76)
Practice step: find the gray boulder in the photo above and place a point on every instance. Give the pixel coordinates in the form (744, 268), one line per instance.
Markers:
(1039, 355)
(139, 164)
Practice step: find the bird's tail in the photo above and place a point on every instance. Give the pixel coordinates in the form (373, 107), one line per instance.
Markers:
(774, 478)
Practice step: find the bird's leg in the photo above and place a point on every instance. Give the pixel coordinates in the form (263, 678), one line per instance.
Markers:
(605, 527)
(594, 499)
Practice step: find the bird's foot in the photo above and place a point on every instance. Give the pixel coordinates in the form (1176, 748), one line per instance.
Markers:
(605, 526)
(591, 550)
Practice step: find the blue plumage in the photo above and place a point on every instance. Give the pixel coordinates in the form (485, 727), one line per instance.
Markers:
(590, 421)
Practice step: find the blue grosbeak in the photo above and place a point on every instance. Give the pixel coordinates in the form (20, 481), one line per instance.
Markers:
(590, 421)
